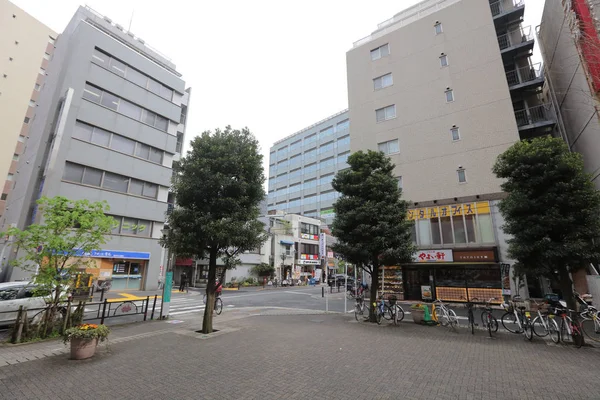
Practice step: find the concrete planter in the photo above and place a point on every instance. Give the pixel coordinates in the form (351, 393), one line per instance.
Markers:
(83, 348)
(418, 315)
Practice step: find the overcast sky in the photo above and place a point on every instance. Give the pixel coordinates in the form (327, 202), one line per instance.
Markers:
(274, 66)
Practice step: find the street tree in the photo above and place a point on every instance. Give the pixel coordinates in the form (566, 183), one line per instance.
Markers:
(551, 210)
(370, 216)
(52, 250)
(218, 187)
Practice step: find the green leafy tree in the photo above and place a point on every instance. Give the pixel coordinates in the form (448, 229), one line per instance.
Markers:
(551, 212)
(218, 187)
(370, 216)
(263, 269)
(52, 248)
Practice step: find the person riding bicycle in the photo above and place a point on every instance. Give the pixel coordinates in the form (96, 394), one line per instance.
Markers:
(218, 288)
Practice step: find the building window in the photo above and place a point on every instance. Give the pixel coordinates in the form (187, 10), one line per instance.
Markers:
(325, 148)
(51, 39)
(179, 143)
(15, 157)
(31, 103)
(385, 113)
(455, 133)
(343, 141)
(37, 87)
(449, 95)
(383, 81)
(342, 126)
(125, 107)
(26, 120)
(399, 179)
(444, 60)
(47, 56)
(42, 71)
(462, 176)
(389, 147)
(309, 228)
(4, 196)
(10, 58)
(381, 51)
(438, 28)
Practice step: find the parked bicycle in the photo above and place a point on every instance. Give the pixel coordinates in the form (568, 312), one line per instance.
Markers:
(379, 308)
(359, 306)
(569, 330)
(544, 323)
(470, 317)
(517, 320)
(393, 311)
(446, 316)
(487, 317)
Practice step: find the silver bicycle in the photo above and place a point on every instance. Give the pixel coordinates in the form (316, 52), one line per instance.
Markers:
(544, 324)
(446, 316)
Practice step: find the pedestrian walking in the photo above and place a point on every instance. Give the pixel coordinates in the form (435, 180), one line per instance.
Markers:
(183, 282)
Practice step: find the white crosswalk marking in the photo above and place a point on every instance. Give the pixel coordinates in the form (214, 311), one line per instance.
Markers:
(188, 304)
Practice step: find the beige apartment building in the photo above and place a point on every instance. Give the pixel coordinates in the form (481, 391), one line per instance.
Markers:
(26, 46)
(443, 88)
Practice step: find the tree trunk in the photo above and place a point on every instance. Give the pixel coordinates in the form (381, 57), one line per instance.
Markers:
(210, 292)
(373, 297)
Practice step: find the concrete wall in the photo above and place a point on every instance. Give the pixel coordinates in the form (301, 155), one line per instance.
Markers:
(567, 77)
(482, 109)
(24, 48)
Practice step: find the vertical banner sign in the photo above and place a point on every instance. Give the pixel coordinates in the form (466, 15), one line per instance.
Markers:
(505, 273)
(168, 287)
(322, 245)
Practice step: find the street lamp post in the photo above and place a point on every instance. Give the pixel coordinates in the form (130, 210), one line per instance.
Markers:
(168, 280)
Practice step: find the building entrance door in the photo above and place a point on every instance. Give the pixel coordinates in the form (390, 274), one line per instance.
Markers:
(414, 278)
(127, 275)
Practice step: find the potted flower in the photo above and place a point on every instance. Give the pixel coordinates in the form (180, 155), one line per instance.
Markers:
(418, 312)
(84, 339)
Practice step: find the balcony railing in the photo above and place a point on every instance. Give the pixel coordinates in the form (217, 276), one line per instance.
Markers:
(515, 37)
(522, 75)
(502, 6)
(533, 115)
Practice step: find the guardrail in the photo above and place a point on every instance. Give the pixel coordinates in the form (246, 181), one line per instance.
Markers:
(522, 75)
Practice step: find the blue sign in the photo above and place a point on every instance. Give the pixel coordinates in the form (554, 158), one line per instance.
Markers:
(168, 287)
(113, 254)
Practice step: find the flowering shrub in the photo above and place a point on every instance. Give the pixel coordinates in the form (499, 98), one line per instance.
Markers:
(418, 306)
(87, 331)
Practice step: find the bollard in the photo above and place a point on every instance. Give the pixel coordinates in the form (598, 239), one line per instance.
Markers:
(103, 310)
(322, 292)
(102, 295)
(153, 307)
(146, 310)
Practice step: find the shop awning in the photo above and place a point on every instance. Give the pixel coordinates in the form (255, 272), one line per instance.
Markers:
(288, 242)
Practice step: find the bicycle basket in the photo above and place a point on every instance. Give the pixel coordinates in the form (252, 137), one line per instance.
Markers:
(392, 299)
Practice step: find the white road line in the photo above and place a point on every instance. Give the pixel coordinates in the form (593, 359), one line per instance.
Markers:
(185, 312)
(305, 294)
(188, 308)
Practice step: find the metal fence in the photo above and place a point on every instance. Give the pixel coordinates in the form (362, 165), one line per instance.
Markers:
(90, 311)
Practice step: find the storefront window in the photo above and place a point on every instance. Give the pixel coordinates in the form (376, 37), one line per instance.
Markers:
(436, 236)
(486, 228)
(471, 228)
(424, 229)
(127, 275)
(484, 277)
(451, 276)
(459, 230)
(447, 230)
(413, 233)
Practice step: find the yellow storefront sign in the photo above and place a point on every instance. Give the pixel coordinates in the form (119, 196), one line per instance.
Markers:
(480, 207)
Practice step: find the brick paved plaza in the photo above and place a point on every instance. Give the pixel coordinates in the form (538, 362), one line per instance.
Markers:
(309, 357)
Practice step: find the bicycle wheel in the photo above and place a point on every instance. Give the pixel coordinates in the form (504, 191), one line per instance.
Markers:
(492, 323)
(577, 337)
(357, 311)
(510, 323)
(399, 313)
(539, 328)
(528, 329)
(395, 319)
(443, 318)
(388, 313)
(565, 337)
(349, 295)
(378, 315)
(553, 330)
(218, 306)
(591, 329)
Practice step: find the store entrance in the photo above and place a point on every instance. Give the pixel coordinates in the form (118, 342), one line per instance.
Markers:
(414, 278)
(127, 275)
